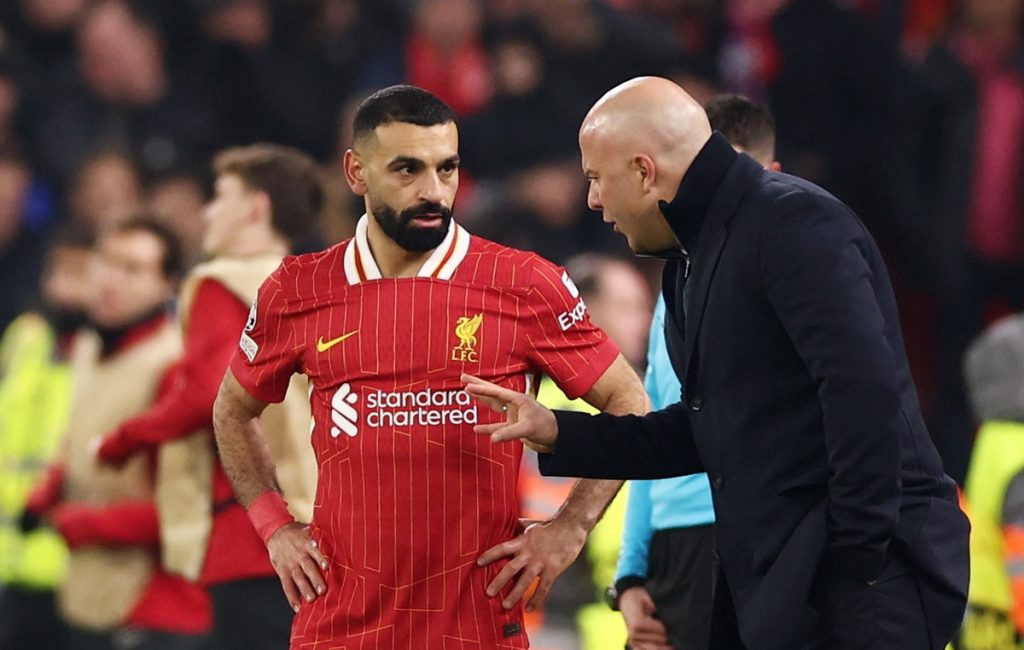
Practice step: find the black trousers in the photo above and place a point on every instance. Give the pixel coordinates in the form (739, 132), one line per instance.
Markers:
(251, 614)
(28, 619)
(680, 579)
(132, 639)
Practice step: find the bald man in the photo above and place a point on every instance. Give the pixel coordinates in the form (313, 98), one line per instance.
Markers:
(836, 527)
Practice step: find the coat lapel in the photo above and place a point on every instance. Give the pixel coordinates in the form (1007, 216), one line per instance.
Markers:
(710, 244)
(709, 251)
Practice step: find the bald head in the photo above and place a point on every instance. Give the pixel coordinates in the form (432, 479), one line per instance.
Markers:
(654, 116)
(637, 143)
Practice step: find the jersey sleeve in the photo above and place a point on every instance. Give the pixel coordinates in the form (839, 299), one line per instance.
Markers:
(216, 315)
(266, 356)
(564, 343)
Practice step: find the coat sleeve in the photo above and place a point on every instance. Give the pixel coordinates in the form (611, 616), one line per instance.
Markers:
(823, 278)
(656, 445)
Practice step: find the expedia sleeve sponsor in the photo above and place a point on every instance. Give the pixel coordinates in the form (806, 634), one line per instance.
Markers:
(569, 318)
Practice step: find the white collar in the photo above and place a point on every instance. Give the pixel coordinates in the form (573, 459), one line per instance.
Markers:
(360, 265)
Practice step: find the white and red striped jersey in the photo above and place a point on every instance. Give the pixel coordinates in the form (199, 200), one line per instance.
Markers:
(408, 496)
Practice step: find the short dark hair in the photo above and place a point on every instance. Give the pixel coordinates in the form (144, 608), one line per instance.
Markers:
(71, 234)
(407, 104)
(289, 177)
(745, 123)
(173, 263)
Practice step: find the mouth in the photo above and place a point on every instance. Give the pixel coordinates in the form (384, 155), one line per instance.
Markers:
(428, 220)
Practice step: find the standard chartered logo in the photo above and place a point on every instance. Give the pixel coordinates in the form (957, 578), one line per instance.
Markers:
(343, 412)
(423, 408)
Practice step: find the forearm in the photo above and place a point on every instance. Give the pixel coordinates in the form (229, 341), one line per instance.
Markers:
(242, 444)
(864, 482)
(587, 502)
(618, 392)
(178, 413)
(122, 523)
(657, 445)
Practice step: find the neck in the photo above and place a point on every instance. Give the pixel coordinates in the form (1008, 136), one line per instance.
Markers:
(115, 337)
(251, 244)
(393, 260)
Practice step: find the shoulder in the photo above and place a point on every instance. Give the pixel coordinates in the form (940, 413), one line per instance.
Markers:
(29, 330)
(298, 276)
(509, 269)
(782, 201)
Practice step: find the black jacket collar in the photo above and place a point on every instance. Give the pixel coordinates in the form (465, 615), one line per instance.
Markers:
(688, 210)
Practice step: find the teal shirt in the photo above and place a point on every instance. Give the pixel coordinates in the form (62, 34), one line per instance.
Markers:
(679, 502)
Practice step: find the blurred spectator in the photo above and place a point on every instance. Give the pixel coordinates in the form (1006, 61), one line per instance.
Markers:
(994, 371)
(591, 46)
(279, 69)
(35, 398)
(342, 208)
(956, 177)
(178, 200)
(444, 53)
(116, 594)
(123, 94)
(699, 28)
(20, 248)
(619, 300)
(10, 102)
(827, 73)
(105, 189)
(543, 209)
(524, 124)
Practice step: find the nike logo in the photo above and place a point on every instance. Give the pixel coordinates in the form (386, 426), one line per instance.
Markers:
(324, 346)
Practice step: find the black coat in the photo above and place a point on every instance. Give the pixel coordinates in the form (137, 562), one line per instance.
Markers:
(799, 405)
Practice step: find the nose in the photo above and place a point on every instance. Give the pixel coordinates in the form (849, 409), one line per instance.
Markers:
(594, 198)
(432, 189)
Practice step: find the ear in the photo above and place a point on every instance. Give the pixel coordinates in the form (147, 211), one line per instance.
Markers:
(354, 173)
(261, 206)
(774, 166)
(644, 164)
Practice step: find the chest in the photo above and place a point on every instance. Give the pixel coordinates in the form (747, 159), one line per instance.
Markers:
(413, 332)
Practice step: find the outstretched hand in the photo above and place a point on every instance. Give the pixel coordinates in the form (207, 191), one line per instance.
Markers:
(525, 420)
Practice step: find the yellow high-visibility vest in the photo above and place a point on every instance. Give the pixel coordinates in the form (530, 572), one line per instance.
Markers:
(35, 397)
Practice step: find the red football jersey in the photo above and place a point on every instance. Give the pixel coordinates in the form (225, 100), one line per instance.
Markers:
(408, 496)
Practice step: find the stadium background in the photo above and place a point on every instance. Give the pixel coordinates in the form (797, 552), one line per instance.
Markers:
(109, 106)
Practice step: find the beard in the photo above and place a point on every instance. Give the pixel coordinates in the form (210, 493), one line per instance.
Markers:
(412, 237)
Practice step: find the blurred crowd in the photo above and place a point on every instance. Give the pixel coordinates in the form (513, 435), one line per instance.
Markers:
(911, 111)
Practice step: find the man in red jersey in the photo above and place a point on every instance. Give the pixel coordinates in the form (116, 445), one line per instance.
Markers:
(264, 197)
(416, 516)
